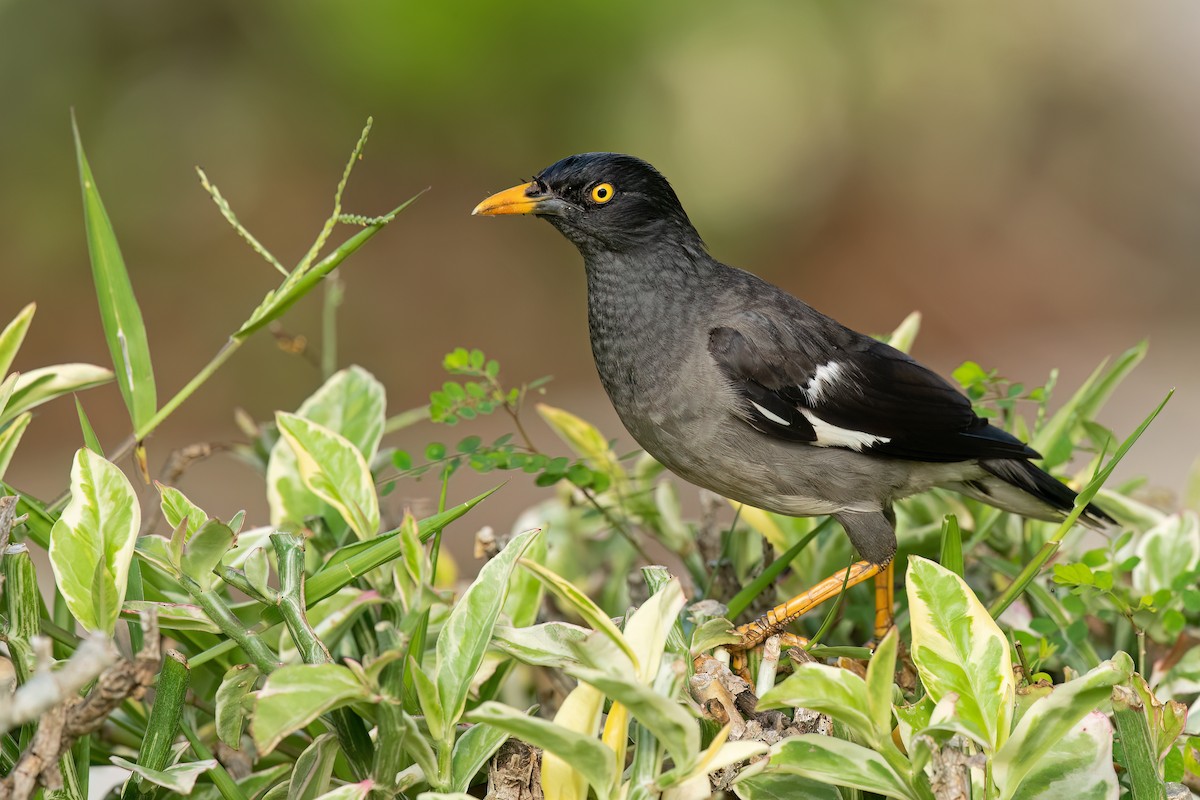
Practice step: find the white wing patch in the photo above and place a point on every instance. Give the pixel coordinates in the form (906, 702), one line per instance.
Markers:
(832, 436)
(778, 420)
(824, 377)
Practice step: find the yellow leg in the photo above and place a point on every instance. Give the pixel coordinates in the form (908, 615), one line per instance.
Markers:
(885, 601)
(781, 616)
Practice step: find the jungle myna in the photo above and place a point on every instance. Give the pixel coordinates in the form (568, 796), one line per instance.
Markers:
(739, 387)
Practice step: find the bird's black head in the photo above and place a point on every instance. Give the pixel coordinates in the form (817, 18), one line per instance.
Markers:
(603, 202)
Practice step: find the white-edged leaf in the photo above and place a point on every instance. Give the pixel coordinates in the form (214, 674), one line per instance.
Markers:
(829, 690)
(92, 543)
(587, 754)
(349, 791)
(784, 786)
(178, 778)
(10, 437)
(172, 616)
(472, 750)
(464, 638)
(836, 761)
(296, 694)
(550, 644)
(664, 717)
(334, 470)
(582, 605)
(1079, 765)
(958, 648)
(236, 686)
(13, 335)
(314, 767)
(1167, 550)
(580, 713)
(176, 507)
(1050, 719)
(46, 383)
(647, 628)
(352, 404)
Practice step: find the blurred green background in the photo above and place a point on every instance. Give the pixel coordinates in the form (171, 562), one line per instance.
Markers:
(1026, 175)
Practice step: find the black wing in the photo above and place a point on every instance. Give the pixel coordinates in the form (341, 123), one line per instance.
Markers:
(853, 392)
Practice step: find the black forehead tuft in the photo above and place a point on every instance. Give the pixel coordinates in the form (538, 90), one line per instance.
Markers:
(628, 173)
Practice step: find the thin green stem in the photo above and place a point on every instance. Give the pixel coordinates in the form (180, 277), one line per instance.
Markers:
(228, 349)
(230, 625)
(334, 291)
(221, 779)
(741, 601)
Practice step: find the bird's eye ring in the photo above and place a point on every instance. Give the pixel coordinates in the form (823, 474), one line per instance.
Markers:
(602, 193)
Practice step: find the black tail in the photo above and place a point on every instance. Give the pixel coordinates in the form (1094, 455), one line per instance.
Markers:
(1028, 478)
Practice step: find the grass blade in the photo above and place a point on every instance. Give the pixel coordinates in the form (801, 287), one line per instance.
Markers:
(119, 311)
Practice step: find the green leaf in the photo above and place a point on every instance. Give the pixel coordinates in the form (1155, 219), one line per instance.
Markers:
(829, 690)
(295, 695)
(314, 767)
(1051, 718)
(92, 543)
(881, 672)
(836, 761)
(663, 716)
(180, 778)
(472, 750)
(782, 786)
(203, 552)
(333, 470)
(10, 437)
(1079, 765)
(172, 616)
(431, 704)
(90, 440)
(351, 404)
(586, 754)
(176, 507)
(952, 553)
(13, 335)
(38, 386)
(235, 687)
(583, 605)
(119, 311)
(464, 638)
(550, 644)
(958, 648)
(1170, 548)
(349, 791)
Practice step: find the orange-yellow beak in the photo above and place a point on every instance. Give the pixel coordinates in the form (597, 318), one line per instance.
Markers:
(511, 201)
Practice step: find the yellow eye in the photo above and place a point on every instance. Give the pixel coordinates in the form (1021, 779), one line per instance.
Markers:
(602, 193)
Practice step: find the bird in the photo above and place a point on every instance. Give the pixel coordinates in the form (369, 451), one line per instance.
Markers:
(741, 388)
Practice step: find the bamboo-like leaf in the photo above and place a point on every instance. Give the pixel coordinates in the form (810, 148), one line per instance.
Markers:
(585, 753)
(92, 543)
(40, 385)
(836, 761)
(119, 311)
(1079, 765)
(351, 404)
(464, 638)
(829, 690)
(958, 648)
(295, 695)
(10, 437)
(333, 470)
(1050, 719)
(13, 335)
(235, 687)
